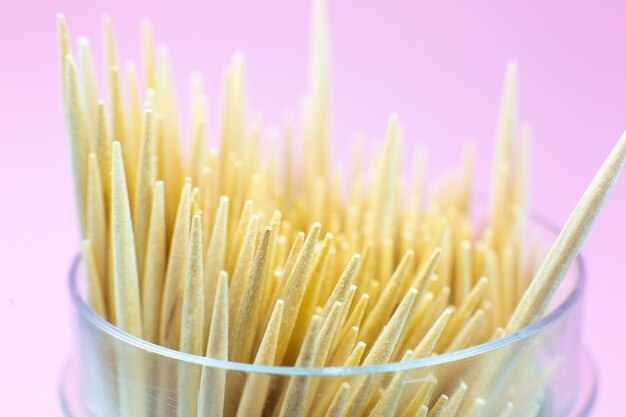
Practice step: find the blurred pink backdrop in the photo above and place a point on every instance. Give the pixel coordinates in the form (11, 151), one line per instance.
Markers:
(439, 66)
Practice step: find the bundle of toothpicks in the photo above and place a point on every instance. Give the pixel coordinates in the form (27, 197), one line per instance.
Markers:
(246, 252)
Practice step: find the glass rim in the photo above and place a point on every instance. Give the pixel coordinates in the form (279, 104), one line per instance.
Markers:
(525, 332)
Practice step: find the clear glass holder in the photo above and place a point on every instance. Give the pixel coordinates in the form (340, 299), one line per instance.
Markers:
(115, 374)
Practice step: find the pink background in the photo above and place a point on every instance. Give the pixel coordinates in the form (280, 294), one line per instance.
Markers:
(440, 67)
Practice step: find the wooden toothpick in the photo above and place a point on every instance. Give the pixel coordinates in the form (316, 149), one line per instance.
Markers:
(249, 311)
(294, 287)
(385, 343)
(297, 392)
(215, 257)
(192, 322)
(94, 282)
(154, 265)
(172, 290)
(127, 299)
(255, 390)
(567, 245)
(96, 218)
(241, 274)
(146, 177)
(77, 133)
(213, 379)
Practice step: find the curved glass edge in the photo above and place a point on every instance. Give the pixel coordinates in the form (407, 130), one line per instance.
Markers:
(65, 390)
(586, 399)
(525, 332)
(589, 390)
